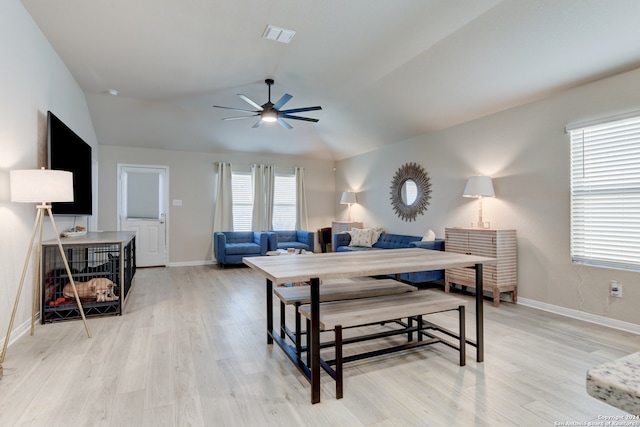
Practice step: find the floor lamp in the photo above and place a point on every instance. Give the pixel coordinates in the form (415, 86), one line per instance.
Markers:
(40, 186)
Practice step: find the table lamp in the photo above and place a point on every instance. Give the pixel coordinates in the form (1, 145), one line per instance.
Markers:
(41, 186)
(348, 197)
(479, 186)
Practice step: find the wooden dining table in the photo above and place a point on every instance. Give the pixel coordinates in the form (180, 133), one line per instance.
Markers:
(279, 270)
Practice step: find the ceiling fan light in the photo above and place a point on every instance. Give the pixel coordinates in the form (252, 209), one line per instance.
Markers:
(269, 116)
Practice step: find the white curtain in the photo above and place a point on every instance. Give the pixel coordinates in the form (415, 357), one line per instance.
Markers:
(223, 211)
(263, 178)
(269, 180)
(302, 222)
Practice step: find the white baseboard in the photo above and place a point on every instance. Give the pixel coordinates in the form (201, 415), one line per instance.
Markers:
(18, 332)
(581, 315)
(189, 263)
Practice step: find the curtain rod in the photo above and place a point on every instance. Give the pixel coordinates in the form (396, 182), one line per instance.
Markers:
(251, 164)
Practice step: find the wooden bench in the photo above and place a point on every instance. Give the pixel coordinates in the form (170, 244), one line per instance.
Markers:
(380, 309)
(337, 291)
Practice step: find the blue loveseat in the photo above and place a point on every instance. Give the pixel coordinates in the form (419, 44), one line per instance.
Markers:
(395, 241)
(229, 247)
(297, 239)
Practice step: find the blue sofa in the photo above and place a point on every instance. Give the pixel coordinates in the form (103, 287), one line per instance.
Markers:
(298, 239)
(395, 241)
(229, 247)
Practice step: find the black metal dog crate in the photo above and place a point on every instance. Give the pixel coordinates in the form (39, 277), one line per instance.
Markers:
(102, 265)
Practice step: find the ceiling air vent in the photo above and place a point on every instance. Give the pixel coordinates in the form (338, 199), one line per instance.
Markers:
(278, 34)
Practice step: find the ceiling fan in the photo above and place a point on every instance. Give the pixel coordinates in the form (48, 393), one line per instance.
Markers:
(270, 112)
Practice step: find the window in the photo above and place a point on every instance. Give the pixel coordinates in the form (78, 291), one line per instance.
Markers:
(242, 194)
(284, 202)
(605, 194)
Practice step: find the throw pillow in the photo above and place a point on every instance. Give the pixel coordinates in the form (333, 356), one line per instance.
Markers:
(361, 237)
(429, 237)
(375, 234)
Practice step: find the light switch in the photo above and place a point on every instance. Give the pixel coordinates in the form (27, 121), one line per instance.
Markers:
(177, 202)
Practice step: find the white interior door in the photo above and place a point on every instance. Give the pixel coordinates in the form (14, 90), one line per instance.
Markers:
(142, 207)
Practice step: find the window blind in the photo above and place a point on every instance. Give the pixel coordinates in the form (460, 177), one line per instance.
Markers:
(242, 196)
(284, 202)
(605, 194)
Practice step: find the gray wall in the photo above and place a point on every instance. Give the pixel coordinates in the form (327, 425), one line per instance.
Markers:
(526, 150)
(191, 177)
(34, 80)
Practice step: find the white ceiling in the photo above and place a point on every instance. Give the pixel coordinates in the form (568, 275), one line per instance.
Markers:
(382, 70)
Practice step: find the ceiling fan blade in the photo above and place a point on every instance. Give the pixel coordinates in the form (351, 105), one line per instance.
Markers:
(250, 102)
(284, 124)
(285, 98)
(300, 110)
(239, 117)
(258, 123)
(307, 119)
(236, 109)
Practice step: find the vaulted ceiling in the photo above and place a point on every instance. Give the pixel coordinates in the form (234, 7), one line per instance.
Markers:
(382, 70)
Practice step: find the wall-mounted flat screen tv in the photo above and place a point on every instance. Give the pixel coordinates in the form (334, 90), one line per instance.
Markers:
(69, 152)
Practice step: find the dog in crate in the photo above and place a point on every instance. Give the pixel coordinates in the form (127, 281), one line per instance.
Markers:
(104, 295)
(54, 282)
(100, 289)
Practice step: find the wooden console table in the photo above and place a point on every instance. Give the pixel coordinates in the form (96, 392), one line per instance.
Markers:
(336, 265)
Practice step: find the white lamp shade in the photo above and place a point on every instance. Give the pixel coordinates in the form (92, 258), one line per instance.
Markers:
(479, 186)
(348, 197)
(41, 185)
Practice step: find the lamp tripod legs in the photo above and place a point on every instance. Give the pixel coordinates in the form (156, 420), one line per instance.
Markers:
(24, 272)
(66, 266)
(37, 227)
(36, 284)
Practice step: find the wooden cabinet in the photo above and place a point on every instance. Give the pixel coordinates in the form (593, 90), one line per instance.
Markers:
(500, 244)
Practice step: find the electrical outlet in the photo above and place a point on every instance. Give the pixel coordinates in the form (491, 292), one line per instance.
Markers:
(616, 289)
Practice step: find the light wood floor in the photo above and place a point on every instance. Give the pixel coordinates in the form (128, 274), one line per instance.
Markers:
(191, 350)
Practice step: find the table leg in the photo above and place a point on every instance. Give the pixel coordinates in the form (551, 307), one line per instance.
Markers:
(479, 315)
(314, 340)
(269, 311)
(463, 338)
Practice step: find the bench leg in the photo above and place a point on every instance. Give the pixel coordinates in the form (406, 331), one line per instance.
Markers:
(282, 320)
(339, 377)
(298, 330)
(410, 325)
(463, 340)
(308, 345)
(420, 328)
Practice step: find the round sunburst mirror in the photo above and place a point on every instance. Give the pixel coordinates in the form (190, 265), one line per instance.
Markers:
(410, 191)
